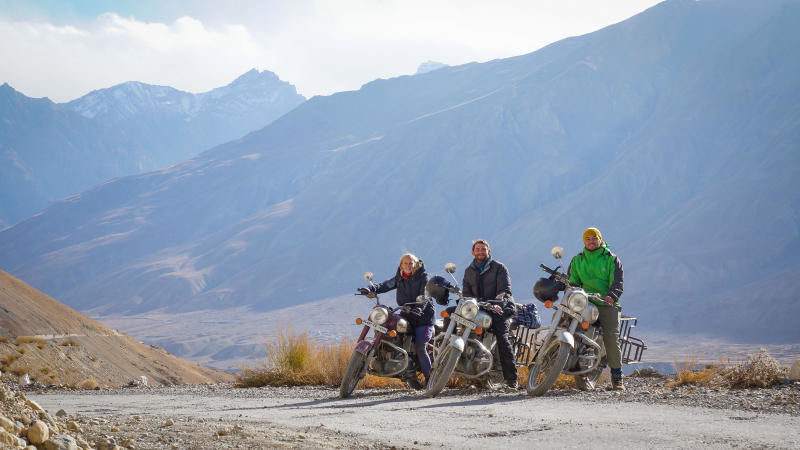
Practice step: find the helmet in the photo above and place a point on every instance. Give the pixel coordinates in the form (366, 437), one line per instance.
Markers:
(437, 288)
(547, 289)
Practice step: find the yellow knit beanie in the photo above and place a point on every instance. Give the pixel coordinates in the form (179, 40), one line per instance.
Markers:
(592, 231)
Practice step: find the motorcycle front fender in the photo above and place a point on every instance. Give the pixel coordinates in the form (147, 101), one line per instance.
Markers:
(566, 337)
(364, 347)
(457, 342)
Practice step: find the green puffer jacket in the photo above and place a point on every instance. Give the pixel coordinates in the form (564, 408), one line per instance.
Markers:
(598, 271)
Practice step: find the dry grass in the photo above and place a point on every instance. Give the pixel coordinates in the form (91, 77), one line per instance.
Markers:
(69, 343)
(759, 370)
(5, 340)
(88, 384)
(31, 340)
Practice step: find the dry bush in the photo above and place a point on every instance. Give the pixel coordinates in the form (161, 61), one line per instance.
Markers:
(20, 369)
(69, 343)
(759, 370)
(5, 340)
(31, 340)
(88, 384)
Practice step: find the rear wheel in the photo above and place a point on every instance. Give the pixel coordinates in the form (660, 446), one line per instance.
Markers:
(441, 374)
(545, 369)
(352, 374)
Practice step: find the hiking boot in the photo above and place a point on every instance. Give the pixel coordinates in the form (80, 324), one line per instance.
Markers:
(616, 383)
(513, 384)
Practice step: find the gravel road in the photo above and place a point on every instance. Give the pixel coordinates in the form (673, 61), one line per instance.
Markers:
(650, 414)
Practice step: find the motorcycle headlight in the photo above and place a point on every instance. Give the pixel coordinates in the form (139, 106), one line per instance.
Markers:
(468, 309)
(577, 301)
(379, 315)
(402, 325)
(484, 320)
(591, 313)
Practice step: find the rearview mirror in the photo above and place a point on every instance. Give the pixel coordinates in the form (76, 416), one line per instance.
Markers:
(368, 276)
(450, 268)
(557, 252)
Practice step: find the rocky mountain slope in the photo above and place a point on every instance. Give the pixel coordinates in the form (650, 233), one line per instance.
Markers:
(55, 344)
(49, 151)
(674, 132)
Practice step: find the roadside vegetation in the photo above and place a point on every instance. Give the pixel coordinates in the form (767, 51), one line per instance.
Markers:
(295, 359)
(757, 371)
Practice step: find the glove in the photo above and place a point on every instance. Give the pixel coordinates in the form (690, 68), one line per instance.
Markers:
(364, 291)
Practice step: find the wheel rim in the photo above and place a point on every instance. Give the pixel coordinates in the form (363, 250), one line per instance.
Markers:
(540, 370)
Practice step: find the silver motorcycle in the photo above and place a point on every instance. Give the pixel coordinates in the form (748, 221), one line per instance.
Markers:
(467, 347)
(573, 343)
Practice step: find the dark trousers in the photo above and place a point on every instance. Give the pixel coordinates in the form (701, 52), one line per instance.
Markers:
(500, 330)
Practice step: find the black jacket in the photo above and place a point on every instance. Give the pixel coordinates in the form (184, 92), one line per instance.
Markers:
(493, 282)
(407, 292)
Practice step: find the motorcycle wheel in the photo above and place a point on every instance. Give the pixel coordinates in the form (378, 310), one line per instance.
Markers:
(545, 369)
(352, 374)
(439, 377)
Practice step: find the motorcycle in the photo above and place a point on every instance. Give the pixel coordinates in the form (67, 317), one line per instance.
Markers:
(573, 343)
(467, 347)
(390, 352)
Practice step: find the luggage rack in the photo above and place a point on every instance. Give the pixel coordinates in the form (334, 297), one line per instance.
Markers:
(524, 342)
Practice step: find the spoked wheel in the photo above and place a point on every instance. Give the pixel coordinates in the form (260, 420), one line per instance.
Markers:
(352, 374)
(441, 374)
(545, 369)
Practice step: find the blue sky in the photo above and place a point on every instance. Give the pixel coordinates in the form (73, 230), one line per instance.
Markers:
(65, 49)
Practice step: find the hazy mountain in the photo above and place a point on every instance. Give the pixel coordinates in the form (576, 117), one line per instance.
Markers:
(429, 66)
(49, 151)
(675, 132)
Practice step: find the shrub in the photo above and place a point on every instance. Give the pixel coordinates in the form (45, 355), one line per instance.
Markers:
(31, 340)
(88, 384)
(759, 370)
(69, 343)
(5, 340)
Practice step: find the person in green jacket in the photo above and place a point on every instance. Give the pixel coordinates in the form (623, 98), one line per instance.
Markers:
(599, 271)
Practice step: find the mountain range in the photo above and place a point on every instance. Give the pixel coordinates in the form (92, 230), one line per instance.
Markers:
(674, 132)
(122, 130)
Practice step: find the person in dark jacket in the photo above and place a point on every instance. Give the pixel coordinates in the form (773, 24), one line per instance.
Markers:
(410, 281)
(487, 279)
(598, 271)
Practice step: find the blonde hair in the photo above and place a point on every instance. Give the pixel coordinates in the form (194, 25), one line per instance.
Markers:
(415, 262)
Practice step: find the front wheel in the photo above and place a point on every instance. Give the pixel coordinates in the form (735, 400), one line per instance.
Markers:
(546, 367)
(589, 381)
(352, 374)
(440, 375)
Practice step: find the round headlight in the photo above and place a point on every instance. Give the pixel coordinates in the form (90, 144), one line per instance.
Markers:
(577, 301)
(468, 309)
(402, 325)
(379, 315)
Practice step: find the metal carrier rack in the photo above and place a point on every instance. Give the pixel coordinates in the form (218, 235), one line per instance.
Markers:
(524, 342)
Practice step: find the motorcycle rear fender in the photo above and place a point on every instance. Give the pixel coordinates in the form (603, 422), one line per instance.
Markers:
(364, 347)
(457, 342)
(566, 337)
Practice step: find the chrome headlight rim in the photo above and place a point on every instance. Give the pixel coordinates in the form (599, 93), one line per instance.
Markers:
(577, 301)
(379, 315)
(468, 309)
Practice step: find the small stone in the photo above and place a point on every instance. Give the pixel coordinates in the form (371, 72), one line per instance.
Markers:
(61, 413)
(114, 429)
(9, 426)
(128, 443)
(32, 404)
(10, 440)
(238, 427)
(222, 432)
(73, 426)
(137, 417)
(38, 433)
(169, 423)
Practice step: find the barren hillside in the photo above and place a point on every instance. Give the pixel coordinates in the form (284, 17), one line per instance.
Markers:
(55, 344)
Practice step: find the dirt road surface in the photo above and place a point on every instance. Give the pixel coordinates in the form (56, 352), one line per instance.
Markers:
(463, 419)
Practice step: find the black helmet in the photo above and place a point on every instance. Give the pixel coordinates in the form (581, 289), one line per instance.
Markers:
(547, 289)
(437, 288)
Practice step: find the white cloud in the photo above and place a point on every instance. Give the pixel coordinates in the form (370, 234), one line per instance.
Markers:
(320, 46)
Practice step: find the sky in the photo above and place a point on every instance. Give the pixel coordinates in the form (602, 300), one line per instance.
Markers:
(65, 49)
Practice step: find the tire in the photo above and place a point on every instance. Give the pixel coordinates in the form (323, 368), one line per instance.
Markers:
(441, 375)
(352, 374)
(546, 368)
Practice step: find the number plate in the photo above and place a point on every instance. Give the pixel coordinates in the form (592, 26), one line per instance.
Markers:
(383, 330)
(462, 321)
